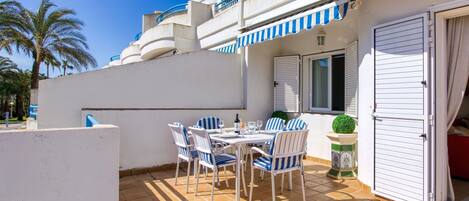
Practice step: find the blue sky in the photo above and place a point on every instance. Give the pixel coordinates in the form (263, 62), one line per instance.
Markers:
(109, 24)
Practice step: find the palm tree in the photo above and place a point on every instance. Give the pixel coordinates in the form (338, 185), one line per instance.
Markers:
(66, 65)
(6, 65)
(48, 34)
(9, 17)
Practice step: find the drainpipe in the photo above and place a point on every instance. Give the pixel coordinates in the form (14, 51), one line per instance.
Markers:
(243, 56)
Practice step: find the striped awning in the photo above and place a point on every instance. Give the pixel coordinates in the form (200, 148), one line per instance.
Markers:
(306, 20)
(229, 48)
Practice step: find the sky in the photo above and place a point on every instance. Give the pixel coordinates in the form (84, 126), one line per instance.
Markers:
(110, 25)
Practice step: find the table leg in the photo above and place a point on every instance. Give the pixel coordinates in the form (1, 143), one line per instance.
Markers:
(238, 171)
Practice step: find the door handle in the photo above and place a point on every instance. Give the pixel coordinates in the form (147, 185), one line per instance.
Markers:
(423, 136)
(275, 83)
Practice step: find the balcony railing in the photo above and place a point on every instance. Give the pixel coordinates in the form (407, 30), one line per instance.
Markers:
(115, 57)
(181, 8)
(137, 36)
(224, 5)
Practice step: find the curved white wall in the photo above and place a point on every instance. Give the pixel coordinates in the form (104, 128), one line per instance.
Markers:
(131, 54)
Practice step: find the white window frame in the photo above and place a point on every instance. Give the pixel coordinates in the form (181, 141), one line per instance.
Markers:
(311, 58)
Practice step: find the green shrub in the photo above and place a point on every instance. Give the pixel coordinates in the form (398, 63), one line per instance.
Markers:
(281, 115)
(343, 124)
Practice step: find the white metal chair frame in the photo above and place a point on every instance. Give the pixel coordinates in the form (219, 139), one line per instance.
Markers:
(286, 144)
(203, 146)
(181, 141)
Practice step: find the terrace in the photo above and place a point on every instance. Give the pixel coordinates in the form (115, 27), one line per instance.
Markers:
(159, 185)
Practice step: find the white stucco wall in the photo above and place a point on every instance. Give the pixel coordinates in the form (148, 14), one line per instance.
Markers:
(198, 80)
(73, 164)
(181, 81)
(261, 71)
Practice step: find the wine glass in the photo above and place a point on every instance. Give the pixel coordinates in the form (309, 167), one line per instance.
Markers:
(251, 126)
(259, 125)
(221, 124)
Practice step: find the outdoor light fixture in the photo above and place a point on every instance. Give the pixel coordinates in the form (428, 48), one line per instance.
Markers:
(321, 38)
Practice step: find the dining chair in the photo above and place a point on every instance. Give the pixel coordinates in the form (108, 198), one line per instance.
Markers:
(285, 155)
(274, 124)
(210, 122)
(185, 150)
(210, 157)
(296, 124)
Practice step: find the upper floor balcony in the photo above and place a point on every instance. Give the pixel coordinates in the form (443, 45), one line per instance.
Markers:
(162, 32)
(224, 27)
(115, 60)
(131, 54)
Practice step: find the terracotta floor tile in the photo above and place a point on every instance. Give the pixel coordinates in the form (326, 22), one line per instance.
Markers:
(160, 186)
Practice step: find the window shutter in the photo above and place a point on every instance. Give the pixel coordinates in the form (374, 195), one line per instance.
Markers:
(286, 83)
(351, 79)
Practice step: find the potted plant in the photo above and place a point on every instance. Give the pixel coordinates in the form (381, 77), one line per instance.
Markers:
(343, 145)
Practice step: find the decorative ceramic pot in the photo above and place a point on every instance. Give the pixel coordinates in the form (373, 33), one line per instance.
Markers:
(343, 156)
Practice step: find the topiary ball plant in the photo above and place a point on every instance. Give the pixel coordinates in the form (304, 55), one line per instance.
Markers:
(281, 115)
(343, 124)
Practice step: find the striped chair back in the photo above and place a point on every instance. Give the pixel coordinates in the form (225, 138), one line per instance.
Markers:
(202, 144)
(210, 122)
(288, 149)
(296, 124)
(275, 124)
(181, 139)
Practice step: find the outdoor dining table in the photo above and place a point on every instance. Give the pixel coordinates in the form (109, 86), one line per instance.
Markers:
(238, 142)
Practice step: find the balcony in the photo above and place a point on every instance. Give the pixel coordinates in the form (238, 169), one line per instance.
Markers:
(172, 12)
(224, 5)
(166, 37)
(115, 60)
(131, 54)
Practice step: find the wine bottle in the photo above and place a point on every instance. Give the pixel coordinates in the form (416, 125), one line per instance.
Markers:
(237, 124)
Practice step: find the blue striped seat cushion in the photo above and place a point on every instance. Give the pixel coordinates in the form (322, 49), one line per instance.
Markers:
(282, 163)
(185, 152)
(275, 124)
(220, 159)
(209, 123)
(296, 124)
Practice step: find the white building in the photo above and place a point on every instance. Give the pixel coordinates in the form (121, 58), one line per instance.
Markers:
(381, 61)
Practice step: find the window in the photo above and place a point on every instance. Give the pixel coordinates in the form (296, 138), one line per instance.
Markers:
(327, 83)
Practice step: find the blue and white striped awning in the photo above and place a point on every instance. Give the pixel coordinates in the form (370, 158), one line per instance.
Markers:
(229, 48)
(306, 20)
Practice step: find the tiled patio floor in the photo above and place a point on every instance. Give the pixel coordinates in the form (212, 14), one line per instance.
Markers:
(160, 186)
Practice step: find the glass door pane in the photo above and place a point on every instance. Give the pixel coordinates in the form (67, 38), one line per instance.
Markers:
(320, 83)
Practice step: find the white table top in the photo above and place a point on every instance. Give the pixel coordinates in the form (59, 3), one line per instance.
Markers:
(243, 139)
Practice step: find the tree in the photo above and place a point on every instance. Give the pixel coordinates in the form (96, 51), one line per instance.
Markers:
(65, 66)
(6, 64)
(9, 18)
(48, 34)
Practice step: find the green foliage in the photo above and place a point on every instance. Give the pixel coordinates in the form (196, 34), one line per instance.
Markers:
(343, 124)
(281, 115)
(47, 34)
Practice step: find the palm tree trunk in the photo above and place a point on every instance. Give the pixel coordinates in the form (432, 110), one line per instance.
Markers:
(65, 69)
(47, 71)
(35, 75)
(19, 107)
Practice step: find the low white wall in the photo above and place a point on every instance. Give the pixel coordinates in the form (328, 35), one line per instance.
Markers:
(146, 140)
(74, 164)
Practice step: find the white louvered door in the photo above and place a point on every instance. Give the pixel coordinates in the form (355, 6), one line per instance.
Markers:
(401, 109)
(286, 83)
